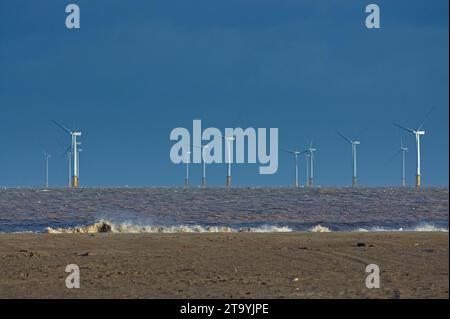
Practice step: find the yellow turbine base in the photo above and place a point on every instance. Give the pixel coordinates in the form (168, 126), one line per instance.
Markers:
(75, 181)
(417, 180)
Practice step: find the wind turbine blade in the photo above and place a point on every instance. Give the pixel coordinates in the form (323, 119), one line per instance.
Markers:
(286, 151)
(345, 137)
(63, 127)
(404, 128)
(303, 152)
(393, 157)
(402, 146)
(425, 118)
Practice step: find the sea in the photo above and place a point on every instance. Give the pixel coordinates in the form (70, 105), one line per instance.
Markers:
(170, 210)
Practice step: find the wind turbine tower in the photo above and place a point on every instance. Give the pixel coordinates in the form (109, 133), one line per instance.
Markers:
(186, 179)
(296, 155)
(308, 159)
(229, 140)
(203, 184)
(74, 152)
(417, 133)
(354, 144)
(47, 157)
(311, 151)
(68, 154)
(403, 149)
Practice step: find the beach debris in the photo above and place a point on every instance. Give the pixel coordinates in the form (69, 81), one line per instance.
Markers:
(26, 252)
(24, 275)
(361, 244)
(295, 279)
(84, 253)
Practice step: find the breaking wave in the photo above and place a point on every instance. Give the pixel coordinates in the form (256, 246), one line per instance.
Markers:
(109, 227)
(418, 228)
(104, 226)
(319, 229)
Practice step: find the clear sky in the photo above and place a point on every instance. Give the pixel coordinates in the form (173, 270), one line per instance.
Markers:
(137, 69)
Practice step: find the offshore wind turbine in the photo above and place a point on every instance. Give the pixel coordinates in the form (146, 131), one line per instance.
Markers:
(68, 154)
(354, 144)
(308, 159)
(47, 157)
(203, 148)
(228, 140)
(74, 152)
(417, 133)
(204, 165)
(296, 154)
(403, 149)
(186, 179)
(311, 151)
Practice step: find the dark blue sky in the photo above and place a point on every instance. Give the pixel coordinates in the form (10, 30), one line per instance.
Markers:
(137, 69)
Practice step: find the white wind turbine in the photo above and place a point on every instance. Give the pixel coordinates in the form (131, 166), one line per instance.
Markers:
(68, 154)
(308, 160)
(47, 157)
(203, 148)
(296, 154)
(229, 140)
(74, 152)
(311, 151)
(187, 160)
(403, 149)
(354, 144)
(417, 133)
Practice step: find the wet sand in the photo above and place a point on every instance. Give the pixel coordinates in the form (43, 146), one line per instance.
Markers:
(238, 265)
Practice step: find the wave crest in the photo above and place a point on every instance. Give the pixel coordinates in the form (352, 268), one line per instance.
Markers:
(319, 229)
(109, 227)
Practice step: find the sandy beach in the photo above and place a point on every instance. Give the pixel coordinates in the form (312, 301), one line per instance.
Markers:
(236, 265)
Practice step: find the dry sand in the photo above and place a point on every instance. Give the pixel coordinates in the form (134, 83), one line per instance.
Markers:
(241, 265)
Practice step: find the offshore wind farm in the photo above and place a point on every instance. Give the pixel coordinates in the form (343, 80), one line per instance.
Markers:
(72, 154)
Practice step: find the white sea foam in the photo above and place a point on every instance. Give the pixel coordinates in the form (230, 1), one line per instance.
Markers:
(109, 227)
(105, 226)
(419, 228)
(319, 229)
(269, 229)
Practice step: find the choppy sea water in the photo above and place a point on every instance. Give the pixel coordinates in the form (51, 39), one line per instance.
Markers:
(220, 209)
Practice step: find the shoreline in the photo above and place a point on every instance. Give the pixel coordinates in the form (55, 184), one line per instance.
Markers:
(225, 265)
